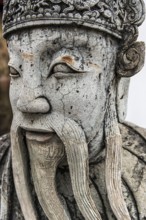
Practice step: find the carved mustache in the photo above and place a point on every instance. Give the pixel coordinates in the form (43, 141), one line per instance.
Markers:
(76, 148)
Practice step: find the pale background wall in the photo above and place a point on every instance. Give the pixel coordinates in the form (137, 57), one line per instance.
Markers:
(137, 93)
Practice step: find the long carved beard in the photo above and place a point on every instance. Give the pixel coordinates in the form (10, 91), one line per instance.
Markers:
(51, 153)
(114, 160)
(44, 159)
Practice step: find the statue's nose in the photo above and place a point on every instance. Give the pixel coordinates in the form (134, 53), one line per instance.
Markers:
(38, 105)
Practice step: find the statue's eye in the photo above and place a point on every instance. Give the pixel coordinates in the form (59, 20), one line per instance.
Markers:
(63, 68)
(61, 71)
(13, 72)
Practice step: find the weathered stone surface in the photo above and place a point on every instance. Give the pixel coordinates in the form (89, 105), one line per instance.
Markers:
(73, 156)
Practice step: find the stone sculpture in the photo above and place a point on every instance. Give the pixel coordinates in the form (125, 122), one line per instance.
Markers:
(73, 156)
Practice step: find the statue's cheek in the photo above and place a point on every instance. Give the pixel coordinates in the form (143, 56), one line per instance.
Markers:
(15, 89)
(74, 97)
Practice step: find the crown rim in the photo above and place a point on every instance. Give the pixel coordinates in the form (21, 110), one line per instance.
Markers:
(45, 22)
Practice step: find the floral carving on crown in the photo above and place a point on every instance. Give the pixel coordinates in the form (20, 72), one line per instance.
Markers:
(112, 16)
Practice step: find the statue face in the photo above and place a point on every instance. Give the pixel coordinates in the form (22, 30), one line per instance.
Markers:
(60, 80)
(62, 70)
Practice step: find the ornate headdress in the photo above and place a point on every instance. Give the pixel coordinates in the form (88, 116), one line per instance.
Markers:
(111, 16)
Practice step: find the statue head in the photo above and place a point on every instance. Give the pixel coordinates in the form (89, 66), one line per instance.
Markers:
(69, 63)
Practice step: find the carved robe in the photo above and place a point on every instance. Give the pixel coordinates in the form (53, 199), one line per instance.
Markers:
(133, 180)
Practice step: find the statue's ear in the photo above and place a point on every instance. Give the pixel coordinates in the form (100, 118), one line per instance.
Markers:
(130, 59)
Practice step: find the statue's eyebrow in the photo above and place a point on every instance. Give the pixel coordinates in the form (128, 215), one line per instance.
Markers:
(65, 60)
(69, 61)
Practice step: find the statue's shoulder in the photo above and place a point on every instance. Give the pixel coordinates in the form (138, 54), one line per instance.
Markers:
(4, 146)
(134, 165)
(9, 205)
(5, 154)
(134, 139)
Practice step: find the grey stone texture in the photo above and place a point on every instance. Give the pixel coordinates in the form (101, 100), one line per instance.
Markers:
(72, 155)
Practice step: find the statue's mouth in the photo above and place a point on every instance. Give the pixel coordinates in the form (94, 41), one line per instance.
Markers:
(36, 133)
(39, 136)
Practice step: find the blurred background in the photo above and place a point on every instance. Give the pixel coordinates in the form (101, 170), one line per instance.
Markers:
(5, 108)
(137, 94)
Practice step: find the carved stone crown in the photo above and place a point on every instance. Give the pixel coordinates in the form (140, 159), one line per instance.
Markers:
(111, 16)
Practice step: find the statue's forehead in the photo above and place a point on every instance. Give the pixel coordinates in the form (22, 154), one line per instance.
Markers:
(67, 37)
